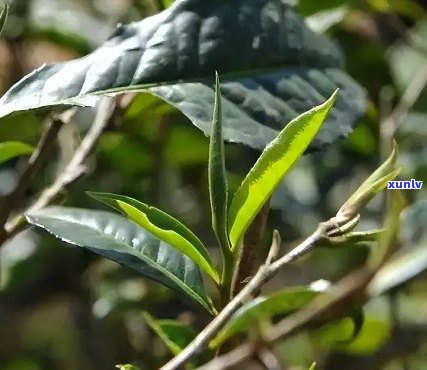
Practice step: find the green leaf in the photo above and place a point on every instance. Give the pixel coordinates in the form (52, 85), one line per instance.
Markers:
(373, 335)
(273, 164)
(373, 185)
(281, 302)
(173, 333)
(3, 16)
(269, 77)
(339, 333)
(164, 227)
(127, 367)
(12, 149)
(218, 190)
(120, 240)
(313, 366)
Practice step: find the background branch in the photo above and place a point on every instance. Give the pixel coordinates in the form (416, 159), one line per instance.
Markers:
(73, 170)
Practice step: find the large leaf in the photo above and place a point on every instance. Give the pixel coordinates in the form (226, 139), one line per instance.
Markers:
(163, 226)
(281, 302)
(218, 187)
(273, 66)
(123, 241)
(175, 334)
(12, 149)
(275, 161)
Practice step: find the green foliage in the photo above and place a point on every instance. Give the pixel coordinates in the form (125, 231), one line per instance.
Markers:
(264, 85)
(12, 149)
(273, 69)
(174, 334)
(273, 164)
(164, 227)
(114, 237)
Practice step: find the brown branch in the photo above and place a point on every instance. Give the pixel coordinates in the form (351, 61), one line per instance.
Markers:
(250, 251)
(73, 170)
(265, 272)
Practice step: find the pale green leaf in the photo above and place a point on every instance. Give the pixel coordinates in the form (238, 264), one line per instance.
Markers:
(12, 149)
(373, 185)
(163, 226)
(273, 164)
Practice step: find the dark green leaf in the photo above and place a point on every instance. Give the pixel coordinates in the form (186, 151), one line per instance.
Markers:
(273, 164)
(281, 302)
(273, 69)
(218, 190)
(123, 241)
(163, 226)
(12, 149)
(173, 333)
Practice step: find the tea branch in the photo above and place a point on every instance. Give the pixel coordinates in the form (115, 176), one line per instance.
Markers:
(264, 274)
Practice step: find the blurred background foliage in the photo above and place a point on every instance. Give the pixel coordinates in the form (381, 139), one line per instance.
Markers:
(64, 308)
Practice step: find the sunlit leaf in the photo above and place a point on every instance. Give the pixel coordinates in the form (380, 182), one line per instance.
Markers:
(163, 226)
(272, 65)
(12, 149)
(123, 241)
(173, 333)
(218, 190)
(273, 164)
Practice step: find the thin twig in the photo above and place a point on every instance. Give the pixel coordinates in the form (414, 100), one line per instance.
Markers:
(73, 170)
(268, 359)
(34, 164)
(265, 272)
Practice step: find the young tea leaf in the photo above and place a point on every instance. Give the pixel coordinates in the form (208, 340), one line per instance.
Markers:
(164, 227)
(273, 164)
(373, 185)
(173, 333)
(12, 149)
(218, 191)
(114, 237)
